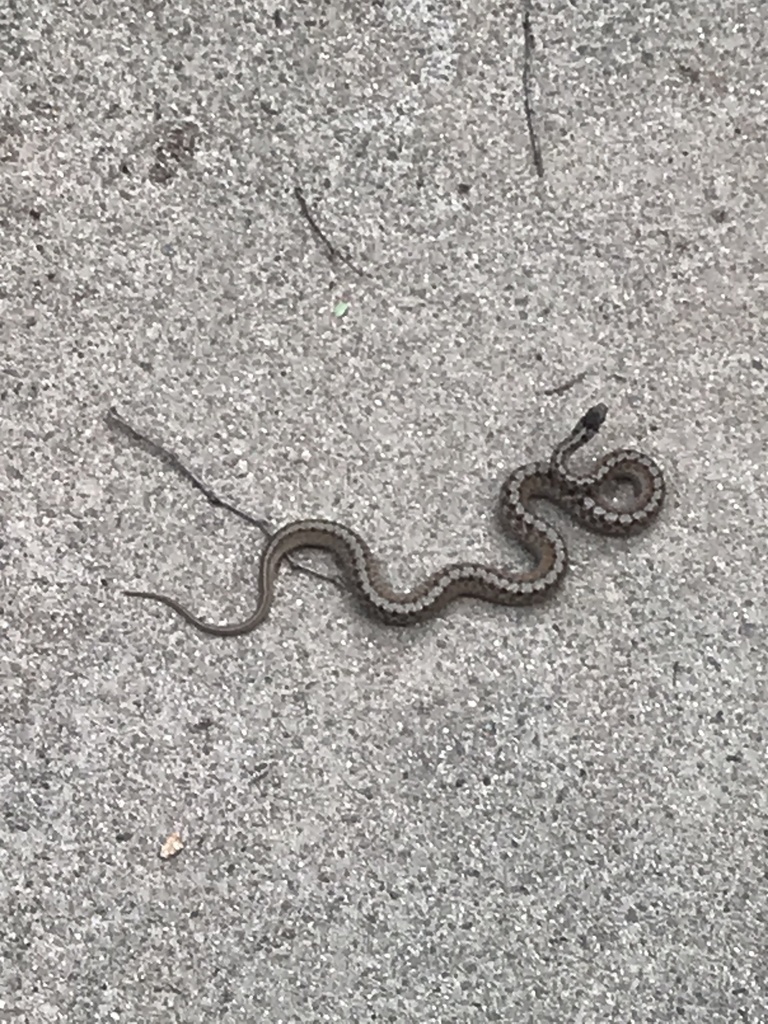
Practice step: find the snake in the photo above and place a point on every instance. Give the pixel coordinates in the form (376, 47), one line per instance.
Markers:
(583, 497)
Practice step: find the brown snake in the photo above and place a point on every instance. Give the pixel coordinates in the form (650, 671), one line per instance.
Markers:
(579, 495)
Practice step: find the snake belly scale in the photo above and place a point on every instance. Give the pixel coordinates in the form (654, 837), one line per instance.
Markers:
(583, 497)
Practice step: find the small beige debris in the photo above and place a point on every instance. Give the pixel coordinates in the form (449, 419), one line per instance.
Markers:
(172, 845)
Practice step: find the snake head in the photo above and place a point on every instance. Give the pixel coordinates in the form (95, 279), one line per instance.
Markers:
(593, 419)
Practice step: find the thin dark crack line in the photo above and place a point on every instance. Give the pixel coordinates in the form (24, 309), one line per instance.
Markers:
(527, 100)
(567, 385)
(320, 235)
(117, 423)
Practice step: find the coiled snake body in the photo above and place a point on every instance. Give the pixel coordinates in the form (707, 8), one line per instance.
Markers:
(579, 495)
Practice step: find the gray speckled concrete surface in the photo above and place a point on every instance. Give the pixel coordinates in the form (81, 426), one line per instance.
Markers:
(554, 815)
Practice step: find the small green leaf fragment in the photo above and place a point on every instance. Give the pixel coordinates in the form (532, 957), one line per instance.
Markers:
(340, 308)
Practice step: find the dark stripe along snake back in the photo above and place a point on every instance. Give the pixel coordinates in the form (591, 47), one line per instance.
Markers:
(580, 496)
